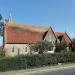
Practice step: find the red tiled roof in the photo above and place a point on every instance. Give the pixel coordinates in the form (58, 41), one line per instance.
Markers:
(65, 36)
(59, 33)
(20, 35)
(17, 34)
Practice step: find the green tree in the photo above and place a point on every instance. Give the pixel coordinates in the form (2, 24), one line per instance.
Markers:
(0, 17)
(61, 47)
(73, 44)
(1, 26)
(41, 47)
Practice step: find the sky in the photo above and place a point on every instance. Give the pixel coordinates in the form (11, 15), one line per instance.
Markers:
(59, 14)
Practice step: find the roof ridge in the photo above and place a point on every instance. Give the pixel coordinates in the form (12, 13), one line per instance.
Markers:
(59, 32)
(27, 26)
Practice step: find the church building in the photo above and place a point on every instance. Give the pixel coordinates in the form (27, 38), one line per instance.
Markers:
(18, 38)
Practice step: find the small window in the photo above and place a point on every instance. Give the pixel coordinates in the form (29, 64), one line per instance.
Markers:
(25, 49)
(13, 49)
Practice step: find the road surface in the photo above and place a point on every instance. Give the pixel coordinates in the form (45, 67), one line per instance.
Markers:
(60, 72)
(65, 69)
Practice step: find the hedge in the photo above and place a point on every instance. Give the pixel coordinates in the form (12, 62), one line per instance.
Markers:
(30, 61)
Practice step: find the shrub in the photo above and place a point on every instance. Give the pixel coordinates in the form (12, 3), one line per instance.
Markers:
(73, 45)
(2, 52)
(41, 47)
(24, 62)
(61, 47)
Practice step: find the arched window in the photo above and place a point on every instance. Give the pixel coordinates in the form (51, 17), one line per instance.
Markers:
(13, 49)
(25, 49)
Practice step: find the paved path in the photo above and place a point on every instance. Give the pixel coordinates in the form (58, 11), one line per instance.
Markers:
(48, 70)
(59, 72)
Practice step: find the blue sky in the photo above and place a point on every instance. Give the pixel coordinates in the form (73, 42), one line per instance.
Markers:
(60, 14)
